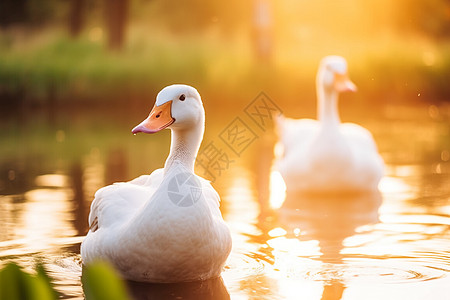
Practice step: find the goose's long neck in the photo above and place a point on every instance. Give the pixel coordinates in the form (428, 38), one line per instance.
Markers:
(184, 146)
(327, 108)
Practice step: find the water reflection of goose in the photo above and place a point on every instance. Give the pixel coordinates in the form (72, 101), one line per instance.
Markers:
(166, 226)
(325, 155)
(212, 289)
(328, 219)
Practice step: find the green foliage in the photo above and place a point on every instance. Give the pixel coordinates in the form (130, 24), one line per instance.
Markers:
(15, 284)
(100, 282)
(82, 67)
(172, 41)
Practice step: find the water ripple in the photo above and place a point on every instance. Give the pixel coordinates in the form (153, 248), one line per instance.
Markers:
(380, 274)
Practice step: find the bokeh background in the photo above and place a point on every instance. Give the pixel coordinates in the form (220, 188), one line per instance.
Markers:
(126, 50)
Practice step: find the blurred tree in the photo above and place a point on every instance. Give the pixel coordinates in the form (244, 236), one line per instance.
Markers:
(27, 11)
(76, 17)
(116, 14)
(42, 11)
(12, 11)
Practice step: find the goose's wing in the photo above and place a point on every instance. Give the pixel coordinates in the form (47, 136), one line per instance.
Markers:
(294, 133)
(365, 153)
(152, 180)
(359, 136)
(211, 195)
(116, 203)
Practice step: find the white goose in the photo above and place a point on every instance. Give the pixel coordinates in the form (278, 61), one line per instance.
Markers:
(324, 155)
(166, 226)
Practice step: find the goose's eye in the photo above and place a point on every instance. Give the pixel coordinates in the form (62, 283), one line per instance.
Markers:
(182, 97)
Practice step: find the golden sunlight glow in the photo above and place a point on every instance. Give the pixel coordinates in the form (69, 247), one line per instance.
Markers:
(6, 216)
(290, 288)
(96, 34)
(429, 58)
(277, 232)
(36, 227)
(393, 185)
(241, 208)
(294, 247)
(52, 180)
(277, 190)
(413, 222)
(94, 172)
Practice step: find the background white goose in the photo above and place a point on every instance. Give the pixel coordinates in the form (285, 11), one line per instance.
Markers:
(166, 226)
(324, 155)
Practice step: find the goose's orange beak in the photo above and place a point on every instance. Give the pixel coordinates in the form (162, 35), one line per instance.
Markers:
(343, 84)
(160, 117)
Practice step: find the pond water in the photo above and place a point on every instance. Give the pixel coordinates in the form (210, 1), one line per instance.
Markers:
(389, 245)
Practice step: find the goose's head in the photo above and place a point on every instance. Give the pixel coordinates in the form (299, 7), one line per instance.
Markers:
(333, 76)
(177, 106)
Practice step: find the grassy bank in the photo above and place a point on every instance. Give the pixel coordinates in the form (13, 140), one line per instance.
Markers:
(49, 64)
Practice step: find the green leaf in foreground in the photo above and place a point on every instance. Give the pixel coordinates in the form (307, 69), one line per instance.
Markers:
(100, 282)
(15, 284)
